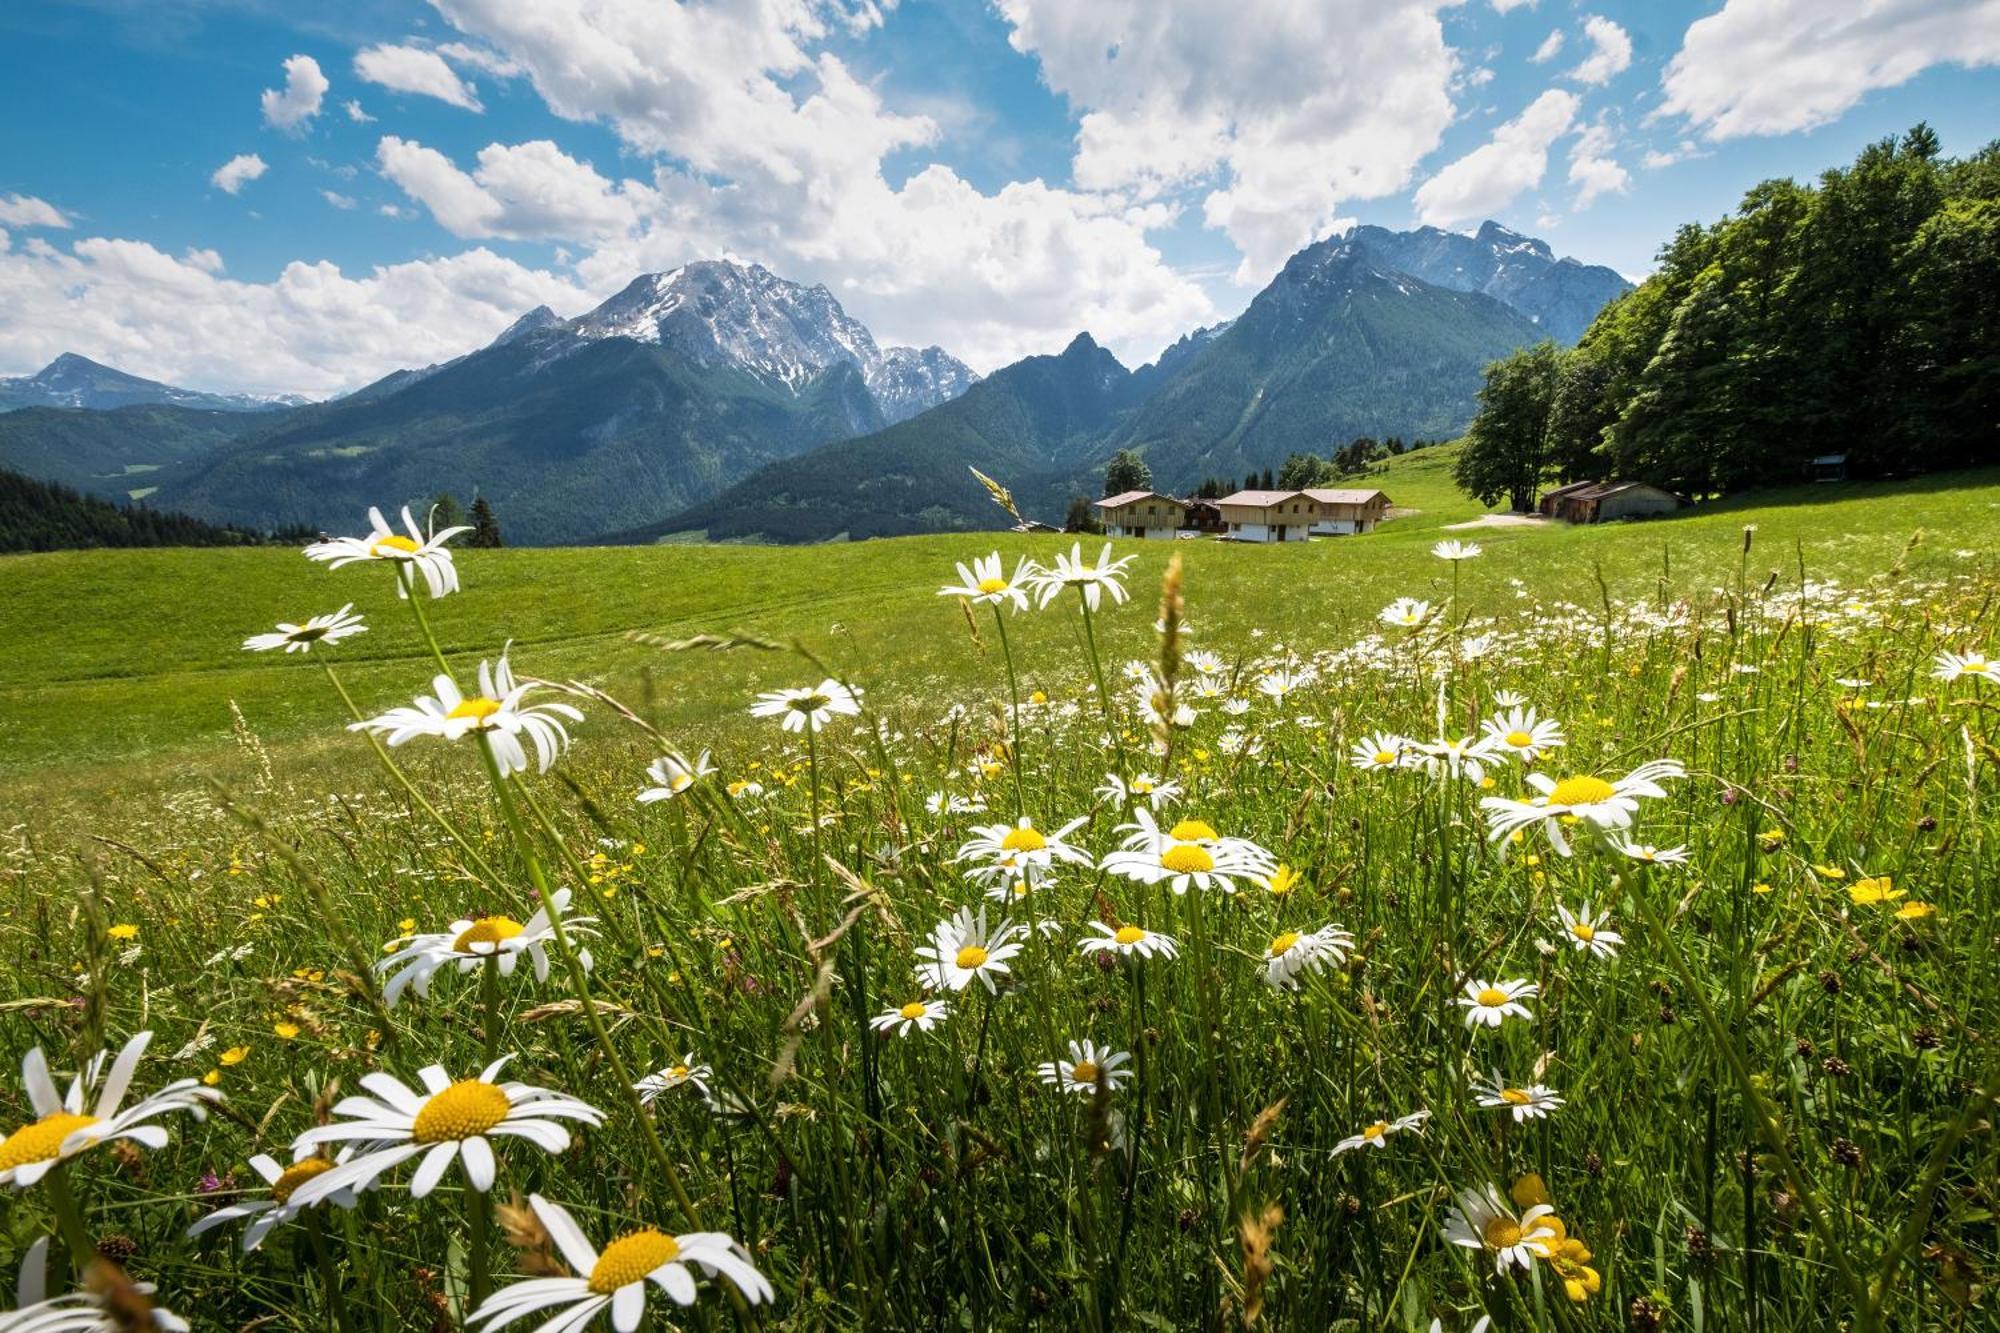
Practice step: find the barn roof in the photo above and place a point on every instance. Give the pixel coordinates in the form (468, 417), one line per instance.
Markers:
(1127, 497)
(1337, 496)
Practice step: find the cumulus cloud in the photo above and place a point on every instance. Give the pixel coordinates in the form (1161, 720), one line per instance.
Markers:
(25, 210)
(772, 149)
(1550, 48)
(292, 107)
(412, 69)
(481, 59)
(1508, 6)
(1214, 94)
(1610, 51)
(355, 112)
(1497, 172)
(237, 172)
(313, 329)
(337, 199)
(1591, 167)
(1777, 66)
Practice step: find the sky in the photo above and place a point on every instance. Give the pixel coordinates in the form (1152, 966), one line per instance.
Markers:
(264, 196)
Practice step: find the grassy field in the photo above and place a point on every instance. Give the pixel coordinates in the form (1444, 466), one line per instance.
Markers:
(1669, 1007)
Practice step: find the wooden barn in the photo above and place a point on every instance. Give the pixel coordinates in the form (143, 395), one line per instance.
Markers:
(1602, 501)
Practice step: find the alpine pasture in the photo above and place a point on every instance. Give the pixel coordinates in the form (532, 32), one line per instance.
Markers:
(1595, 928)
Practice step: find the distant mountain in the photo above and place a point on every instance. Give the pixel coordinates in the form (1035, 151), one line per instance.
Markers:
(720, 312)
(77, 381)
(1032, 422)
(122, 453)
(1561, 296)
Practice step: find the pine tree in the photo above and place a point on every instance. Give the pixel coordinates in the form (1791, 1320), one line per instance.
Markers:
(485, 527)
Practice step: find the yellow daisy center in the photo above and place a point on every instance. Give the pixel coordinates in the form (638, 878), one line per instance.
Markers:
(1083, 1071)
(393, 542)
(488, 930)
(466, 1109)
(678, 1071)
(1129, 935)
(629, 1258)
(1142, 786)
(478, 709)
(1584, 931)
(1192, 830)
(971, 957)
(1023, 840)
(1283, 944)
(1501, 1233)
(1581, 791)
(913, 1010)
(1187, 859)
(297, 1174)
(40, 1140)
(1378, 1130)
(1385, 757)
(1515, 1097)
(992, 585)
(1519, 739)
(1492, 997)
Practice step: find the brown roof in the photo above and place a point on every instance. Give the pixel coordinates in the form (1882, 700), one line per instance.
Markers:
(1259, 499)
(1336, 496)
(1127, 497)
(1599, 490)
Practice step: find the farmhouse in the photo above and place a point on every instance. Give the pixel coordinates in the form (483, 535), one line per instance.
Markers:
(1141, 514)
(1601, 501)
(1293, 516)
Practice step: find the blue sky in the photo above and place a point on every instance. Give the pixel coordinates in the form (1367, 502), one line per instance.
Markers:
(988, 176)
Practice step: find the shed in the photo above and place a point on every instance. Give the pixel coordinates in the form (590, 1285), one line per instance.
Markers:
(1602, 501)
(1830, 467)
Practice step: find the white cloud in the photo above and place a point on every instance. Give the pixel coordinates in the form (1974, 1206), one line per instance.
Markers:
(1282, 110)
(293, 107)
(530, 191)
(1655, 158)
(1591, 168)
(1550, 48)
(355, 112)
(1493, 175)
(25, 210)
(337, 199)
(1776, 66)
(412, 69)
(313, 329)
(774, 150)
(237, 172)
(396, 211)
(1508, 6)
(481, 59)
(1610, 51)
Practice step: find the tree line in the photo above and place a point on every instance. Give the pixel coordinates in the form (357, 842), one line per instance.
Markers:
(48, 516)
(1854, 317)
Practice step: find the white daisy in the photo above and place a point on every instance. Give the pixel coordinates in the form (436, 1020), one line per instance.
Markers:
(617, 1277)
(1481, 1220)
(1203, 662)
(1592, 933)
(301, 638)
(1647, 852)
(1530, 1103)
(1294, 953)
(1599, 804)
(1377, 1134)
(1019, 851)
(499, 715)
(1087, 1063)
(1961, 666)
(1456, 550)
(687, 1073)
(1285, 681)
(1521, 733)
(1382, 750)
(1508, 698)
(469, 942)
(964, 949)
(426, 555)
(809, 708)
(92, 1112)
(1493, 1002)
(1092, 581)
(268, 1214)
(674, 775)
(1189, 855)
(444, 1122)
(745, 789)
(983, 583)
(1445, 757)
(945, 803)
(1154, 791)
(1129, 941)
(923, 1015)
(35, 1311)
(1406, 612)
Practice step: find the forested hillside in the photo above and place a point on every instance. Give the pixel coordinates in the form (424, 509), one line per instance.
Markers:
(1855, 316)
(47, 516)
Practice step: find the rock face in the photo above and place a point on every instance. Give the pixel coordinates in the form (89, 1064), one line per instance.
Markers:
(720, 312)
(77, 381)
(1562, 296)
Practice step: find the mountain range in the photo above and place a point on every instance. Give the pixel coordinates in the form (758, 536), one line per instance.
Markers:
(722, 399)
(77, 381)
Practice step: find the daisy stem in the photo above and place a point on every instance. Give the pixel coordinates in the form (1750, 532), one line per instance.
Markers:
(1014, 722)
(1103, 696)
(336, 1303)
(478, 1221)
(409, 583)
(1131, 1199)
(978, 1056)
(580, 985)
(70, 1219)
